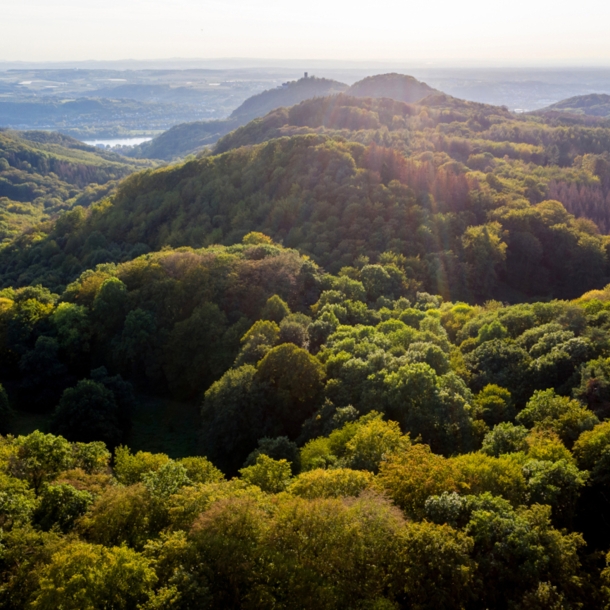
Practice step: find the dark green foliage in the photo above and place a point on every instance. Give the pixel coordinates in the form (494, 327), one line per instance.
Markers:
(6, 413)
(88, 412)
(505, 438)
(61, 506)
(234, 416)
(280, 448)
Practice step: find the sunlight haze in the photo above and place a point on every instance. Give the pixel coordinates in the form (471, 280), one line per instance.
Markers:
(520, 32)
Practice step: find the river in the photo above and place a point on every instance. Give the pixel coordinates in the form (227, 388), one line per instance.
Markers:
(117, 142)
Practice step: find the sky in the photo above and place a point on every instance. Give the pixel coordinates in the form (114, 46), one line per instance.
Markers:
(443, 32)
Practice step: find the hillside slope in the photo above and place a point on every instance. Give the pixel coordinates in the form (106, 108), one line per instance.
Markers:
(447, 184)
(188, 138)
(594, 104)
(42, 174)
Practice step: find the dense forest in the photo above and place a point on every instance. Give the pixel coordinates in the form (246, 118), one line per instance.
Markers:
(43, 174)
(392, 323)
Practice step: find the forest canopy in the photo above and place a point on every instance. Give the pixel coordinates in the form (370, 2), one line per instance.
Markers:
(391, 323)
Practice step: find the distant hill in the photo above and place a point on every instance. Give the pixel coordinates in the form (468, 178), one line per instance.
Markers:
(187, 138)
(42, 174)
(347, 116)
(399, 87)
(183, 139)
(288, 94)
(594, 104)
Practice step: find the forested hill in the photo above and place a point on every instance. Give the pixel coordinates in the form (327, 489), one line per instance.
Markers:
(183, 139)
(469, 195)
(43, 174)
(594, 104)
(399, 87)
(288, 94)
(187, 138)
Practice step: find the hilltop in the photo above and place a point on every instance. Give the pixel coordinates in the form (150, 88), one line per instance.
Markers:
(399, 87)
(188, 138)
(594, 105)
(288, 94)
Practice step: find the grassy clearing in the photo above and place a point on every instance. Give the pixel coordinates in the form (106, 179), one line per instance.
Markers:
(160, 425)
(163, 425)
(25, 423)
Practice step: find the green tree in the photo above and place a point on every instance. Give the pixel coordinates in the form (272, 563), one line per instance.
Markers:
(275, 309)
(84, 576)
(548, 411)
(61, 505)
(297, 394)
(40, 457)
(270, 475)
(88, 412)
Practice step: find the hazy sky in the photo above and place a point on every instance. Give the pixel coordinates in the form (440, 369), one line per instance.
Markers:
(511, 32)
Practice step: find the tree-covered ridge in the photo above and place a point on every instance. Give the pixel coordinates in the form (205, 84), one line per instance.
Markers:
(43, 174)
(470, 225)
(183, 139)
(593, 104)
(288, 94)
(190, 138)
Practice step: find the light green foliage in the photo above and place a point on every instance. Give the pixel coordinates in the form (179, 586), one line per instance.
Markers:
(17, 502)
(547, 446)
(493, 405)
(333, 483)
(167, 480)
(120, 515)
(557, 484)
(83, 576)
(201, 470)
(185, 506)
(275, 309)
(60, 506)
(502, 476)
(548, 411)
(260, 338)
(317, 453)
(373, 441)
(592, 452)
(360, 445)
(270, 475)
(441, 555)
(129, 468)
(91, 457)
(505, 438)
(39, 458)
